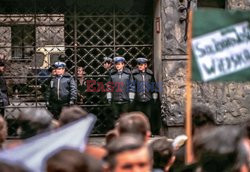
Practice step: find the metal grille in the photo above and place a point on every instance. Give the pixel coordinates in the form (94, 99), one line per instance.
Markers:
(77, 32)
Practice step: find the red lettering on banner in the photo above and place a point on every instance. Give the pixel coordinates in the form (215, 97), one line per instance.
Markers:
(90, 84)
(100, 87)
(110, 87)
(119, 87)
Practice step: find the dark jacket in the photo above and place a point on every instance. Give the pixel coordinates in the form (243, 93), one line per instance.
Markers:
(81, 88)
(4, 100)
(62, 89)
(122, 83)
(144, 85)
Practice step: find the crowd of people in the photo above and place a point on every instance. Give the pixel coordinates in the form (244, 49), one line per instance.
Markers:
(129, 147)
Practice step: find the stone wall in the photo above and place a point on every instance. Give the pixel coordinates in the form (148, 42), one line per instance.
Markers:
(174, 63)
(238, 4)
(228, 101)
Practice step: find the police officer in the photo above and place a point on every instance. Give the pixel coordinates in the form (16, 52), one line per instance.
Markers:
(62, 90)
(145, 88)
(120, 87)
(4, 100)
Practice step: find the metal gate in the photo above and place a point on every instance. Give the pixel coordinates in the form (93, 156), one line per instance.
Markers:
(35, 33)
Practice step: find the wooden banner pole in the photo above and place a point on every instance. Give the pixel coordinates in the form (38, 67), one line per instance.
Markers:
(188, 121)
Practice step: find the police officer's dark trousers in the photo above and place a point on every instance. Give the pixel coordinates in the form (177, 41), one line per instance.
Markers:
(118, 108)
(146, 108)
(56, 107)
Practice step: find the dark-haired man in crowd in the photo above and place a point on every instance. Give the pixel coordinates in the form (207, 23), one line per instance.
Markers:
(62, 90)
(163, 153)
(71, 114)
(74, 113)
(246, 140)
(34, 121)
(5, 167)
(128, 153)
(69, 160)
(134, 123)
(202, 118)
(220, 150)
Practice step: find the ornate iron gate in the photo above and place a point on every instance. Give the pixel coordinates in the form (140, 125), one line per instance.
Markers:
(77, 32)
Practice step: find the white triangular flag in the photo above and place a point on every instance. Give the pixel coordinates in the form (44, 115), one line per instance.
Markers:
(34, 152)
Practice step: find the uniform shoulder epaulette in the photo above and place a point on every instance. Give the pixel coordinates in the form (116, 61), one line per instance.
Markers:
(149, 72)
(127, 70)
(67, 75)
(135, 71)
(112, 71)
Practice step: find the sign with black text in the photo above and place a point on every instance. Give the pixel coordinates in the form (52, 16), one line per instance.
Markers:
(223, 52)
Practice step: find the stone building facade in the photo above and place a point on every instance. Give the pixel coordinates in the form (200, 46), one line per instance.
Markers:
(228, 101)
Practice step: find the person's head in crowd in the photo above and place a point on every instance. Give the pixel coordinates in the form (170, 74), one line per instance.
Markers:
(220, 149)
(3, 131)
(110, 135)
(52, 70)
(60, 68)
(69, 160)
(96, 151)
(34, 121)
(163, 154)
(4, 167)
(70, 114)
(128, 153)
(107, 63)
(246, 128)
(2, 67)
(142, 64)
(134, 123)
(246, 140)
(202, 117)
(119, 63)
(80, 72)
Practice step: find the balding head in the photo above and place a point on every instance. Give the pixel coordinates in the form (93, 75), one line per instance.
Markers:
(134, 123)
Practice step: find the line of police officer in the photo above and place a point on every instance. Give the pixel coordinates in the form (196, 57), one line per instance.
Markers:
(129, 90)
(133, 90)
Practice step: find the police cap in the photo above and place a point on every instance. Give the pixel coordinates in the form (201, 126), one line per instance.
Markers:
(119, 59)
(60, 65)
(141, 60)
